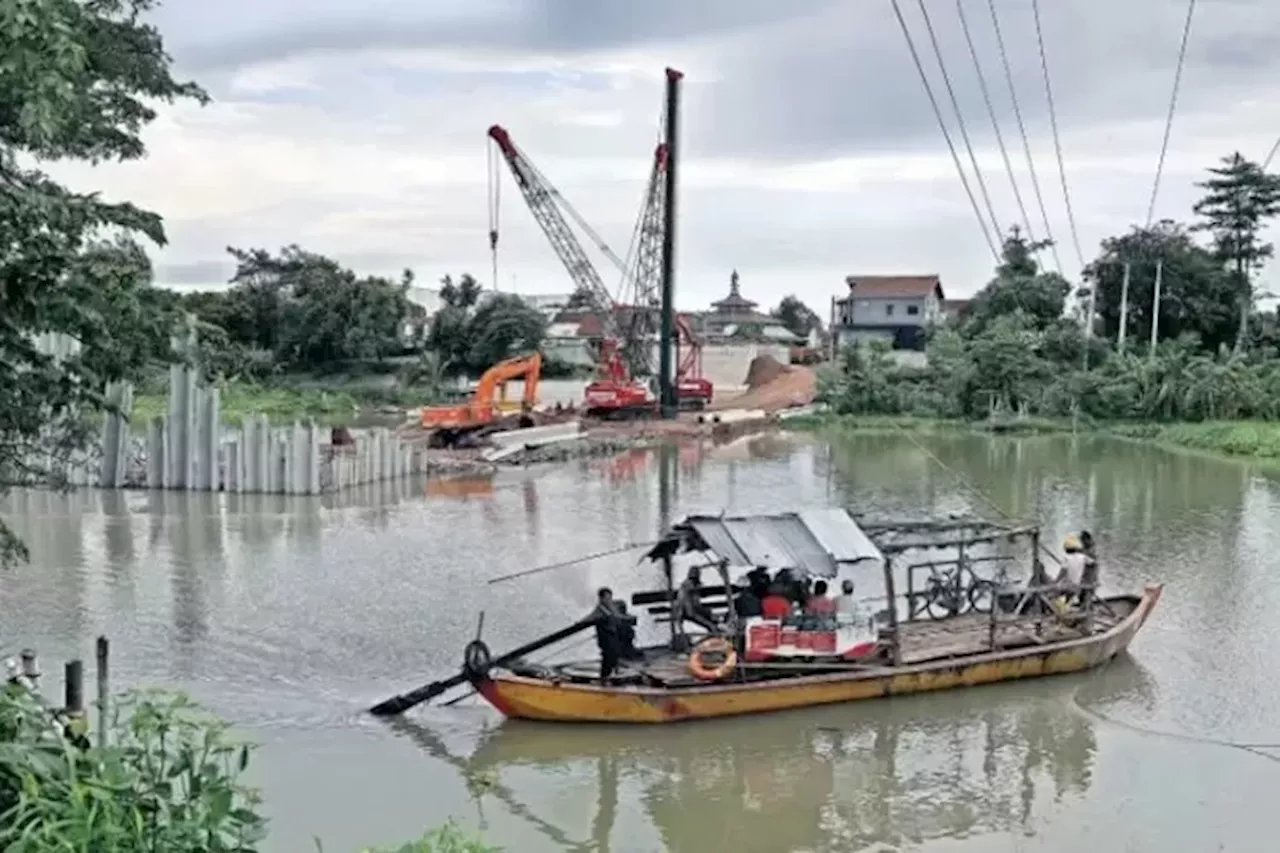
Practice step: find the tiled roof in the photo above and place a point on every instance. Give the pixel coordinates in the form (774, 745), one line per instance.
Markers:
(893, 285)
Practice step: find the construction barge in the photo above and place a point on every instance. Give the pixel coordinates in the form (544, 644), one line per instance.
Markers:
(966, 618)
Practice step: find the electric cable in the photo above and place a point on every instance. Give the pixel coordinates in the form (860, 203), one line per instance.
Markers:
(1173, 107)
(964, 133)
(946, 134)
(1271, 155)
(1022, 130)
(995, 123)
(1057, 138)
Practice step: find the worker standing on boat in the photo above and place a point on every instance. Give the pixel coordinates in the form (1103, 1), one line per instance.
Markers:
(609, 624)
(1089, 578)
(1073, 567)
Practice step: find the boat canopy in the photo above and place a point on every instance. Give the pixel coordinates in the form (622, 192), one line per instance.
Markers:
(818, 541)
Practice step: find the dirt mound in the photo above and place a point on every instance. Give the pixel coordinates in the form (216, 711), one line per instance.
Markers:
(773, 385)
(763, 370)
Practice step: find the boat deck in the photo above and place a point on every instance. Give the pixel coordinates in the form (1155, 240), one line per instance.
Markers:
(922, 641)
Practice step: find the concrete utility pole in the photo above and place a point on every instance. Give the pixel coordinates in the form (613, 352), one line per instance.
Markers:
(1124, 309)
(1155, 309)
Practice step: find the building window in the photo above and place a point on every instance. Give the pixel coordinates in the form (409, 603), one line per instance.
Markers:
(913, 310)
(888, 309)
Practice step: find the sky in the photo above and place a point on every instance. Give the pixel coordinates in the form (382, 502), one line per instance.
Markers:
(809, 149)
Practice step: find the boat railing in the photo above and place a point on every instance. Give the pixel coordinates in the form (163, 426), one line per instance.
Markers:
(941, 589)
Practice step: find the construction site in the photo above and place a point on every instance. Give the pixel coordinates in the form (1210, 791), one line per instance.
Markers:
(649, 381)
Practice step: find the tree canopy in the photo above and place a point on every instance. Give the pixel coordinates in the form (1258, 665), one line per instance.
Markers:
(78, 81)
(798, 318)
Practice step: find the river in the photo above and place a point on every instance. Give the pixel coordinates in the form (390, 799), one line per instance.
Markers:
(289, 616)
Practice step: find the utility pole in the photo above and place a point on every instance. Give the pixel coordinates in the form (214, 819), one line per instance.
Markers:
(1155, 309)
(666, 383)
(1124, 309)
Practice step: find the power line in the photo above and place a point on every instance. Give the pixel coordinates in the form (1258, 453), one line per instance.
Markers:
(1022, 129)
(1057, 139)
(946, 134)
(964, 134)
(1271, 155)
(995, 123)
(1173, 106)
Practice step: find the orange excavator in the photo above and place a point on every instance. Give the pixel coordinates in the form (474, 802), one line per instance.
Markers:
(464, 424)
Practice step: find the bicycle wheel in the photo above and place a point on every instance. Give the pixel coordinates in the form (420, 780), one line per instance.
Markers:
(981, 595)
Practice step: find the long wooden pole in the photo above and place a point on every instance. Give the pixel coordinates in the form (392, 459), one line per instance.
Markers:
(403, 702)
(666, 370)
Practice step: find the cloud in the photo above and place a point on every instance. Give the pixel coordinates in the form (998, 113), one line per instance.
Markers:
(810, 149)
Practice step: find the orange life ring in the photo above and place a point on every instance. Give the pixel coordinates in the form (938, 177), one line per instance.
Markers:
(701, 671)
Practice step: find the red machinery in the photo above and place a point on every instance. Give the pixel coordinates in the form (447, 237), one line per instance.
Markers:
(624, 346)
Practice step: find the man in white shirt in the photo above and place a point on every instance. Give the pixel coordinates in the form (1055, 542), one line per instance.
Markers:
(846, 608)
(1074, 565)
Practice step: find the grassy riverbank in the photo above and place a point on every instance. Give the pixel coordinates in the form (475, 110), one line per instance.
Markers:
(327, 405)
(1258, 439)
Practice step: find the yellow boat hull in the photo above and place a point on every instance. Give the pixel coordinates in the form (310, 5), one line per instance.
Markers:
(525, 698)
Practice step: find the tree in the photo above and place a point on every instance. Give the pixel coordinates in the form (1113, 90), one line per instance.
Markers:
(1019, 285)
(799, 318)
(1197, 296)
(77, 81)
(470, 335)
(309, 311)
(1239, 198)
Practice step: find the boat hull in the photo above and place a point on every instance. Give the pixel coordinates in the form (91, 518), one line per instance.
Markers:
(520, 697)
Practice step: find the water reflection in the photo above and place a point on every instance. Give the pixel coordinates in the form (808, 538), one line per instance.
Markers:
(893, 773)
(289, 615)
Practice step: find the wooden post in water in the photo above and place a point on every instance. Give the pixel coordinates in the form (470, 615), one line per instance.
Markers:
(73, 688)
(31, 667)
(892, 598)
(104, 691)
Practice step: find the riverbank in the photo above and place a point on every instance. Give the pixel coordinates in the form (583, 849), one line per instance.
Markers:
(1256, 439)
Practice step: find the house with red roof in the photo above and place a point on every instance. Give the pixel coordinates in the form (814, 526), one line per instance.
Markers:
(894, 308)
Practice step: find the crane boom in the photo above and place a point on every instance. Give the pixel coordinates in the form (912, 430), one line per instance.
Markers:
(544, 202)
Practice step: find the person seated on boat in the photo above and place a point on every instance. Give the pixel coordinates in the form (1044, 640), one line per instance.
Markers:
(1073, 566)
(689, 606)
(819, 604)
(758, 582)
(627, 632)
(747, 604)
(609, 622)
(1089, 578)
(792, 586)
(776, 605)
(847, 610)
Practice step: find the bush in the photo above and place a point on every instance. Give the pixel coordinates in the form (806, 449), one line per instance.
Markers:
(168, 781)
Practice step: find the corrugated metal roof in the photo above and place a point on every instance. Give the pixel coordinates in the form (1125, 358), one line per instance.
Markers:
(816, 541)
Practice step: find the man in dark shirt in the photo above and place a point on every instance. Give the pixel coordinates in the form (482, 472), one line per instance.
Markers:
(609, 633)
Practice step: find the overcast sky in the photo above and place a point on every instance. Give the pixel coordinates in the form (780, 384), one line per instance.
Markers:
(357, 129)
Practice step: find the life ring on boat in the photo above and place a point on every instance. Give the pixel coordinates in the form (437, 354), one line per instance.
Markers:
(712, 645)
(476, 658)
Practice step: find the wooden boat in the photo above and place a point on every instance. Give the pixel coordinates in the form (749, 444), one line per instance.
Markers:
(538, 697)
(955, 625)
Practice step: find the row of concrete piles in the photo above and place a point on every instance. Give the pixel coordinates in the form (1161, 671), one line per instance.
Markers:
(190, 448)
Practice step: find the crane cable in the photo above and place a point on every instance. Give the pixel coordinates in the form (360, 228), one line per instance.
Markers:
(946, 134)
(995, 123)
(1057, 138)
(964, 133)
(1022, 130)
(1173, 106)
(495, 205)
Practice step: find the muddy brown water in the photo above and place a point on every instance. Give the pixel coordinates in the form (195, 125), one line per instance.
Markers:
(290, 617)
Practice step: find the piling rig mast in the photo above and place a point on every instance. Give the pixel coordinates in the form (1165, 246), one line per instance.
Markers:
(626, 331)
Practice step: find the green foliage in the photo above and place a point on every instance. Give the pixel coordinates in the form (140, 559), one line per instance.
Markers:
(1197, 296)
(799, 318)
(78, 80)
(1019, 285)
(299, 309)
(469, 335)
(169, 780)
(1239, 198)
(445, 839)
